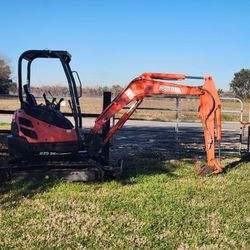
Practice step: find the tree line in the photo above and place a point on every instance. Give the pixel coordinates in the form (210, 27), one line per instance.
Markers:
(7, 86)
(63, 91)
(239, 86)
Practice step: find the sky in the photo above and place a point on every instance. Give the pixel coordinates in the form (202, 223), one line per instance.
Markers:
(112, 42)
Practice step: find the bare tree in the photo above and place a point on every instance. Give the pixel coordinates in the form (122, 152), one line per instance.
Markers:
(4, 69)
(5, 81)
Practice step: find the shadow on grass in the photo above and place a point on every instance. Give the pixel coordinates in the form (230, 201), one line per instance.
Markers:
(145, 164)
(244, 159)
(11, 193)
(134, 168)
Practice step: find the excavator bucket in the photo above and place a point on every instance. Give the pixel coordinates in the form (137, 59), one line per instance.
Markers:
(210, 113)
(203, 169)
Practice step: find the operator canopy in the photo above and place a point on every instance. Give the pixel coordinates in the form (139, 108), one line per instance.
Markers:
(30, 55)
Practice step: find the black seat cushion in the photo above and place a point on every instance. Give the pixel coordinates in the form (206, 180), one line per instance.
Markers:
(50, 116)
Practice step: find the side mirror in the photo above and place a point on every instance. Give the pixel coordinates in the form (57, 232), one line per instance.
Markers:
(80, 83)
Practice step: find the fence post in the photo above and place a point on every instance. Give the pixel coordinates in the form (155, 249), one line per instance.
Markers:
(106, 127)
(249, 111)
(177, 114)
(248, 140)
(177, 105)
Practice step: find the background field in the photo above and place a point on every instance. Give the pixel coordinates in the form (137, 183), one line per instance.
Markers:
(94, 105)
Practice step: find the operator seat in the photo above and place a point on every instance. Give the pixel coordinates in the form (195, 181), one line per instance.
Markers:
(30, 99)
(43, 113)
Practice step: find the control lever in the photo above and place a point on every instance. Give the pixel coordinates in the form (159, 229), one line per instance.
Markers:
(47, 102)
(53, 98)
(57, 107)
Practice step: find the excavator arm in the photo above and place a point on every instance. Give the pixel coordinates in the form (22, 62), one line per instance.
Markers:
(149, 84)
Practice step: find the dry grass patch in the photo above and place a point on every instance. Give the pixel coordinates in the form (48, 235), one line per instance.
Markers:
(94, 105)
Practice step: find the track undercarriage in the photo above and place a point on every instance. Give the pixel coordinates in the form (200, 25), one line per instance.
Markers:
(77, 168)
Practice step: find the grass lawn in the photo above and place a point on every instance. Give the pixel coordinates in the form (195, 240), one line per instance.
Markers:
(4, 125)
(155, 205)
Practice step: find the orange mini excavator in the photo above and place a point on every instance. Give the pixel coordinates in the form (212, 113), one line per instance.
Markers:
(41, 135)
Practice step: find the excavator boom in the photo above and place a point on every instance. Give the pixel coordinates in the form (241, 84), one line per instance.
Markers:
(149, 84)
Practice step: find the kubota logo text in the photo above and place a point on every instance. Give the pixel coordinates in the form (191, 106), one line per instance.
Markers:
(170, 89)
